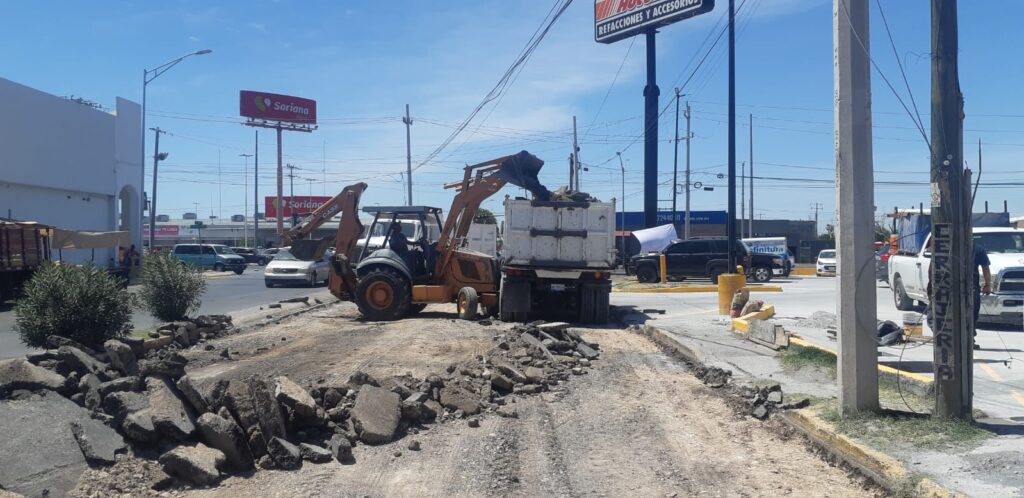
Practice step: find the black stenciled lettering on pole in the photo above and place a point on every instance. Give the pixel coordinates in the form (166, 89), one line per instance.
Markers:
(651, 93)
(731, 221)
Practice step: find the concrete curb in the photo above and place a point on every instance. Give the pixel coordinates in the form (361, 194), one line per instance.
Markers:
(697, 288)
(879, 467)
(883, 469)
(742, 324)
(804, 272)
(917, 383)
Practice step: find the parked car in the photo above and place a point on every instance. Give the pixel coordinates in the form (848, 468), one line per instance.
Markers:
(214, 257)
(703, 258)
(251, 255)
(285, 268)
(826, 264)
(882, 264)
(790, 263)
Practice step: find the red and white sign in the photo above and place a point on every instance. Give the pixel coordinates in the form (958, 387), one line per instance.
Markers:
(274, 107)
(615, 20)
(300, 204)
(163, 230)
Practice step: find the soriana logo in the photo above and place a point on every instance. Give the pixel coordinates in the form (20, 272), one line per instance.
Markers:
(274, 107)
(301, 205)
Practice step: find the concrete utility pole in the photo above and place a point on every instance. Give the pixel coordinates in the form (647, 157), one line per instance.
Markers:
(575, 183)
(675, 168)
(750, 128)
(686, 222)
(856, 302)
(245, 201)
(651, 93)
(408, 152)
(622, 209)
(952, 247)
(291, 194)
(817, 208)
(743, 198)
(152, 202)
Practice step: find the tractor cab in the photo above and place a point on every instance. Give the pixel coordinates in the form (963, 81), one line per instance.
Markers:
(404, 237)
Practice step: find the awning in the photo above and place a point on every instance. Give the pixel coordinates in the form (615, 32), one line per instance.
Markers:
(70, 239)
(655, 239)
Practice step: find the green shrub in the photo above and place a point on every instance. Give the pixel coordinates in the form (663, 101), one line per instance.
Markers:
(170, 288)
(83, 303)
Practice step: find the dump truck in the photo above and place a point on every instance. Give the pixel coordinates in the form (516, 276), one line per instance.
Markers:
(557, 257)
(24, 246)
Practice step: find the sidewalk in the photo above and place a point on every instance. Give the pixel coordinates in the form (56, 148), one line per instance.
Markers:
(988, 462)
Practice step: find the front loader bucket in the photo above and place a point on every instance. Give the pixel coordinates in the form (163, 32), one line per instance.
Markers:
(521, 170)
(310, 250)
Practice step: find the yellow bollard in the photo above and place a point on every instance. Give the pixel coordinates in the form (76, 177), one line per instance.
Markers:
(664, 270)
(728, 284)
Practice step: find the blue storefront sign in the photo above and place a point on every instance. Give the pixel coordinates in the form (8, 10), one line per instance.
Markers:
(635, 219)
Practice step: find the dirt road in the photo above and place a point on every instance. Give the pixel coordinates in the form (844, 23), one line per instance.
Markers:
(637, 424)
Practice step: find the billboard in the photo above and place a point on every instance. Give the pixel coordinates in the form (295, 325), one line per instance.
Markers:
(171, 231)
(636, 218)
(618, 19)
(274, 107)
(299, 204)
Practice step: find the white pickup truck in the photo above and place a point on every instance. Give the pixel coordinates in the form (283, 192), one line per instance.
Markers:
(908, 274)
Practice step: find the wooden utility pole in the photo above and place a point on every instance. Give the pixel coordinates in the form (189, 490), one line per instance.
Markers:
(952, 251)
(856, 302)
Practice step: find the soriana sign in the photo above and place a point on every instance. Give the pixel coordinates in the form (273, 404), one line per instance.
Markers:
(274, 107)
(301, 205)
(618, 19)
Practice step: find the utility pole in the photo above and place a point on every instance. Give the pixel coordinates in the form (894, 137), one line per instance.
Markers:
(743, 198)
(291, 194)
(675, 169)
(855, 211)
(256, 193)
(245, 201)
(951, 298)
(622, 209)
(816, 207)
(686, 221)
(408, 153)
(575, 184)
(651, 93)
(152, 202)
(220, 185)
(731, 220)
(750, 127)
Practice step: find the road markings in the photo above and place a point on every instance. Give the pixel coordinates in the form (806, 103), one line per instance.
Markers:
(991, 372)
(1018, 397)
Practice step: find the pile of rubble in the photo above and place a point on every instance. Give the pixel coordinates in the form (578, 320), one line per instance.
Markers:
(200, 429)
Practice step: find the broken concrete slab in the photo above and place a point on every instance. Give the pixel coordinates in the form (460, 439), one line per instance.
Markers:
(285, 454)
(512, 372)
(172, 366)
(376, 414)
(121, 357)
(268, 412)
(19, 373)
(239, 402)
(552, 327)
(360, 378)
(139, 427)
(56, 342)
(99, 444)
(121, 385)
(587, 351)
(40, 421)
(534, 374)
(456, 398)
(89, 385)
(170, 415)
(291, 395)
(501, 382)
(121, 404)
(313, 453)
(774, 397)
(195, 464)
(190, 390)
(341, 448)
(77, 360)
(226, 436)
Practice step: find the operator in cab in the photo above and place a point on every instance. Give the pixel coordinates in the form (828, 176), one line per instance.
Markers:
(398, 242)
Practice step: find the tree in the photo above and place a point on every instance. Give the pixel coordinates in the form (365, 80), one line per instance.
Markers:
(882, 233)
(485, 216)
(170, 288)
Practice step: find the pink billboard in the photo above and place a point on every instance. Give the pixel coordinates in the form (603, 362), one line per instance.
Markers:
(274, 107)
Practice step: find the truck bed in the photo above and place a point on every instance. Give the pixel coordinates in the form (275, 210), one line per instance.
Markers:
(559, 234)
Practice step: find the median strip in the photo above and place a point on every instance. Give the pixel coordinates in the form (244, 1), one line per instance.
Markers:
(697, 288)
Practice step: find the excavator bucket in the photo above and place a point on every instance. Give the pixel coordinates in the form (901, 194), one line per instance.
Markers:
(310, 250)
(521, 170)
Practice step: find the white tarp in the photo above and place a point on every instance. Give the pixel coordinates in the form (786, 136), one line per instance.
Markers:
(70, 239)
(655, 239)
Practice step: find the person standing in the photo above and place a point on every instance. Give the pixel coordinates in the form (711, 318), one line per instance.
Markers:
(981, 269)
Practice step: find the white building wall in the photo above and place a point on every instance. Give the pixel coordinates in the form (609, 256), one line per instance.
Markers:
(66, 164)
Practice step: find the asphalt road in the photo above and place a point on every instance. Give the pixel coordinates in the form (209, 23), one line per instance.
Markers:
(999, 388)
(226, 294)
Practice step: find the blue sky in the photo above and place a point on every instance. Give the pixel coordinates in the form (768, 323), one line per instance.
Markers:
(363, 61)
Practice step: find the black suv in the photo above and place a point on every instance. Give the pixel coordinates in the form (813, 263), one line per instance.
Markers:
(706, 258)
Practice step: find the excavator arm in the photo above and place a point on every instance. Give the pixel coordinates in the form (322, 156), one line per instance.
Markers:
(349, 228)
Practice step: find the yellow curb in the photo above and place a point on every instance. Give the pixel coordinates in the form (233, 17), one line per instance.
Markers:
(806, 272)
(215, 274)
(881, 467)
(698, 288)
(742, 324)
(799, 341)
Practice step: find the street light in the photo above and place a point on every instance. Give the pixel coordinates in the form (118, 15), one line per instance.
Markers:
(149, 75)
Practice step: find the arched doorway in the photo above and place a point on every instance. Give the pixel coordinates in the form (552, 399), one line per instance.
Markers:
(128, 210)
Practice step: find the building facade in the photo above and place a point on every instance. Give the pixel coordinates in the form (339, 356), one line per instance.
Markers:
(67, 164)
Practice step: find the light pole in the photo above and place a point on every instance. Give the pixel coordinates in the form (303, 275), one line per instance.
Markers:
(245, 200)
(149, 75)
(622, 208)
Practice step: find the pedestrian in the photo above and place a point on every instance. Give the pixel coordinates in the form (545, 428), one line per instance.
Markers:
(981, 269)
(133, 262)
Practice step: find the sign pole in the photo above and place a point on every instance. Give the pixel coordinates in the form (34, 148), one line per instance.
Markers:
(280, 183)
(256, 193)
(730, 224)
(651, 93)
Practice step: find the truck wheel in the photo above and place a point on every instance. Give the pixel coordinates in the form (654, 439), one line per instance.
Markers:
(467, 303)
(415, 308)
(239, 271)
(594, 304)
(900, 297)
(218, 267)
(714, 275)
(383, 294)
(587, 304)
(647, 274)
(762, 274)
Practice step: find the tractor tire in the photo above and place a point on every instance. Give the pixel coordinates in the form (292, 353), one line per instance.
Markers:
(415, 308)
(383, 295)
(467, 303)
(647, 274)
(900, 297)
